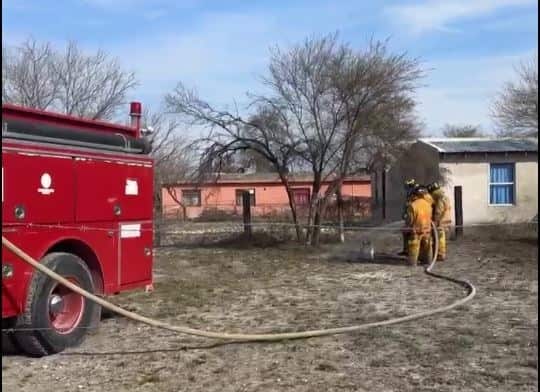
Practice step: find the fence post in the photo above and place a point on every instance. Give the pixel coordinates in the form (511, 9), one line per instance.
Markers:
(246, 203)
(458, 211)
(383, 191)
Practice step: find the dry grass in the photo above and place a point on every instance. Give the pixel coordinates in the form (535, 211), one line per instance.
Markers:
(489, 345)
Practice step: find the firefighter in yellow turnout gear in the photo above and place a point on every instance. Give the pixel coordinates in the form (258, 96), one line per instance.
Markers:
(441, 216)
(418, 221)
(410, 186)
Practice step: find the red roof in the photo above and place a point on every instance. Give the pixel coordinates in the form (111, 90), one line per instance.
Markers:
(264, 178)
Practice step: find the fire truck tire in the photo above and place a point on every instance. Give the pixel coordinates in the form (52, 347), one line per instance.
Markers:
(55, 317)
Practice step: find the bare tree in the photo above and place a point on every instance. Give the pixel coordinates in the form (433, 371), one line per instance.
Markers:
(28, 75)
(327, 106)
(450, 130)
(91, 86)
(515, 110)
(172, 159)
(264, 133)
(339, 101)
(69, 81)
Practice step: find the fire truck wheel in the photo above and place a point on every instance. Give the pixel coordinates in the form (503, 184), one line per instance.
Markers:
(56, 317)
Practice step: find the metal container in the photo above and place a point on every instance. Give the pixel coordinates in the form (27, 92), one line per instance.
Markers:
(367, 251)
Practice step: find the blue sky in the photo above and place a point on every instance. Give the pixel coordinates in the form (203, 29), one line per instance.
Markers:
(221, 47)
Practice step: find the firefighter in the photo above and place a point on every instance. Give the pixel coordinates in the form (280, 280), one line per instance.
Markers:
(429, 197)
(441, 216)
(410, 186)
(419, 215)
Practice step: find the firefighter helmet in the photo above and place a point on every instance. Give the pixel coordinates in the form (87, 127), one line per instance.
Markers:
(433, 186)
(420, 190)
(410, 183)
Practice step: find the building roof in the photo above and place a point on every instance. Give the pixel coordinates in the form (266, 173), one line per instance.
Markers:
(265, 178)
(481, 145)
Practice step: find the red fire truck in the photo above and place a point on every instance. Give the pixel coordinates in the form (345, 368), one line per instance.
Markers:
(76, 195)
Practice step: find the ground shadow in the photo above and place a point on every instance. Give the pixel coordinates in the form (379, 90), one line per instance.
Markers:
(526, 240)
(10, 347)
(237, 241)
(355, 257)
(158, 350)
(243, 241)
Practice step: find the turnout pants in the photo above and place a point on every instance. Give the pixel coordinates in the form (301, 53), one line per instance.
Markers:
(419, 248)
(441, 232)
(405, 233)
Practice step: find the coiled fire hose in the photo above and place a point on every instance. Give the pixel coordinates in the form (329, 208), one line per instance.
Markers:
(245, 336)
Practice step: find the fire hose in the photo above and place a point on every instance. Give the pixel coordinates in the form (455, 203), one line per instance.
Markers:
(252, 337)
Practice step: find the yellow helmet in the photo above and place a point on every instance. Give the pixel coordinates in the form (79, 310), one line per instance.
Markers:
(420, 190)
(410, 183)
(433, 186)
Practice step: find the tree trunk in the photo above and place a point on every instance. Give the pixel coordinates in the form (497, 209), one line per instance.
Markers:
(172, 194)
(292, 206)
(316, 234)
(318, 208)
(311, 213)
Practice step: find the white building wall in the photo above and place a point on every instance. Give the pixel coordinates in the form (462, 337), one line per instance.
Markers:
(471, 172)
(473, 176)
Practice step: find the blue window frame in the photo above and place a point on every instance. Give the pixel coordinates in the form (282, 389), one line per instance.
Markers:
(501, 184)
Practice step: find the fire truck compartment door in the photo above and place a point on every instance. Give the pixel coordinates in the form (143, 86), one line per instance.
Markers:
(113, 191)
(37, 188)
(135, 252)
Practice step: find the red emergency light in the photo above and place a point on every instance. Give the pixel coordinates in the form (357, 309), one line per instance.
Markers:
(135, 111)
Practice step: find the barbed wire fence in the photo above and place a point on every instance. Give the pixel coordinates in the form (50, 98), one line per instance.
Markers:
(170, 227)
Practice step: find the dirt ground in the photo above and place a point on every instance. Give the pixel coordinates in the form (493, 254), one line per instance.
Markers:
(488, 345)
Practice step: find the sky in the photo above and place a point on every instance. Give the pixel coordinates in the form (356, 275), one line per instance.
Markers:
(221, 48)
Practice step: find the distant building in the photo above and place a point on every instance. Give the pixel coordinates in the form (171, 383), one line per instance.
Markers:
(498, 178)
(268, 195)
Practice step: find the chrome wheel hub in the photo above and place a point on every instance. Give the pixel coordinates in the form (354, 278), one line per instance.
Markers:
(56, 304)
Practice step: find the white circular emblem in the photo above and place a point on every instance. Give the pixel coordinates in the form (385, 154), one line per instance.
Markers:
(46, 180)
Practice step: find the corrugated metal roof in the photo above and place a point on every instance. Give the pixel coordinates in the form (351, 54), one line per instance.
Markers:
(482, 145)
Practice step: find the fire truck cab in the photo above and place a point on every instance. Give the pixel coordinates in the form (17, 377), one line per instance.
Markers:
(77, 195)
